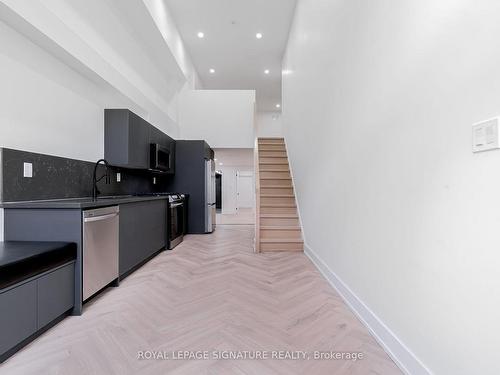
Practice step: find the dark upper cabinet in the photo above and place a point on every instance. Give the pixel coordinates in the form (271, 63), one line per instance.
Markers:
(127, 140)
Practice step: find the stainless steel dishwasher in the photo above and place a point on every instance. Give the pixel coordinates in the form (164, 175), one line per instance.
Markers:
(100, 248)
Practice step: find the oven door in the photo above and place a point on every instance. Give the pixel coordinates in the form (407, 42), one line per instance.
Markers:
(176, 232)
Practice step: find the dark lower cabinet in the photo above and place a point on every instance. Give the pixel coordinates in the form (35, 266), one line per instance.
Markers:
(31, 305)
(18, 317)
(143, 232)
(55, 294)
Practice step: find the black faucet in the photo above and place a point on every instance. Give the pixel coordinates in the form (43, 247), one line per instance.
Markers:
(95, 180)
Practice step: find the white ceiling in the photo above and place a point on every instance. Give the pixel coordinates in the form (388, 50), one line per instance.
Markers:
(230, 46)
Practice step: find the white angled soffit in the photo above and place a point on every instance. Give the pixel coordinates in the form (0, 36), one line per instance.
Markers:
(162, 18)
(73, 35)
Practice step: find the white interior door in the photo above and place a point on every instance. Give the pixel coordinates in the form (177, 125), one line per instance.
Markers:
(245, 189)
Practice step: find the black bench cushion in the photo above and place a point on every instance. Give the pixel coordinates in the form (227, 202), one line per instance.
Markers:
(21, 260)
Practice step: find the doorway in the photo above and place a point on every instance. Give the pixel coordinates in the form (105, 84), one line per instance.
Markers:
(235, 190)
(218, 191)
(244, 190)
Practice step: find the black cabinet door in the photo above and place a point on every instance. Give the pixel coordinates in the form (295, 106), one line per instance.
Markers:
(138, 140)
(157, 136)
(56, 293)
(143, 231)
(126, 139)
(18, 318)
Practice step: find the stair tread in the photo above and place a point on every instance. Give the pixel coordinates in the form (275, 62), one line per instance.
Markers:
(280, 227)
(278, 205)
(280, 216)
(274, 170)
(276, 187)
(275, 178)
(277, 195)
(281, 240)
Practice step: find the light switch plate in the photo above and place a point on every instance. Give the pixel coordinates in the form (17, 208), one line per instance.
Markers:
(28, 170)
(485, 135)
(118, 177)
(154, 180)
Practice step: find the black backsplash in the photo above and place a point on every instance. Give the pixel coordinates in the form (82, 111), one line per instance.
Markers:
(56, 178)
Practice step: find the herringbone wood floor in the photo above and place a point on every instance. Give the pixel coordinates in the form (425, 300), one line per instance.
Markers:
(211, 293)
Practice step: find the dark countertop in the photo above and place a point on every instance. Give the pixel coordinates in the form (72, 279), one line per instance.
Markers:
(81, 203)
(14, 252)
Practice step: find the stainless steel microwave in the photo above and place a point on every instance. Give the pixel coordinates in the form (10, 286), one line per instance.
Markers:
(160, 158)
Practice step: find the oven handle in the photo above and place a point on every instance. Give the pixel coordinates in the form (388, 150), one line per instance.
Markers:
(176, 205)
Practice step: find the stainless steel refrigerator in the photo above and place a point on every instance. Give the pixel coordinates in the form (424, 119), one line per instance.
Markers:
(210, 196)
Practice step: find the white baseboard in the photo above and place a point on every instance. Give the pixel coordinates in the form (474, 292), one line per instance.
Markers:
(399, 353)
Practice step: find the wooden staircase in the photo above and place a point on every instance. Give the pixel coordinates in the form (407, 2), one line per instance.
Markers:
(277, 222)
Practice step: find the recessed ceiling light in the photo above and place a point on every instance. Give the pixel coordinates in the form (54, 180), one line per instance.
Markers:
(212, 71)
(278, 105)
(266, 71)
(258, 35)
(215, 159)
(221, 163)
(201, 35)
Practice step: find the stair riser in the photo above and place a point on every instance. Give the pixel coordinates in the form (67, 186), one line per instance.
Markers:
(272, 154)
(276, 190)
(278, 210)
(278, 221)
(274, 167)
(273, 161)
(277, 200)
(264, 174)
(279, 233)
(272, 148)
(284, 183)
(280, 247)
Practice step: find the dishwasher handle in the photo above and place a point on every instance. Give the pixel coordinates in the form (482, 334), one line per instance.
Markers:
(99, 218)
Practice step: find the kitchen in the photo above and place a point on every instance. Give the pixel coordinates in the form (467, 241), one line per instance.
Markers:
(113, 216)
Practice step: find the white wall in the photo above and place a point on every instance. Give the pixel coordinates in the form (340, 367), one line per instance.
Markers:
(44, 105)
(132, 46)
(63, 61)
(378, 107)
(269, 124)
(224, 118)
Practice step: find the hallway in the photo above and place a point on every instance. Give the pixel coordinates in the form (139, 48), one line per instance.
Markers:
(211, 293)
(244, 216)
